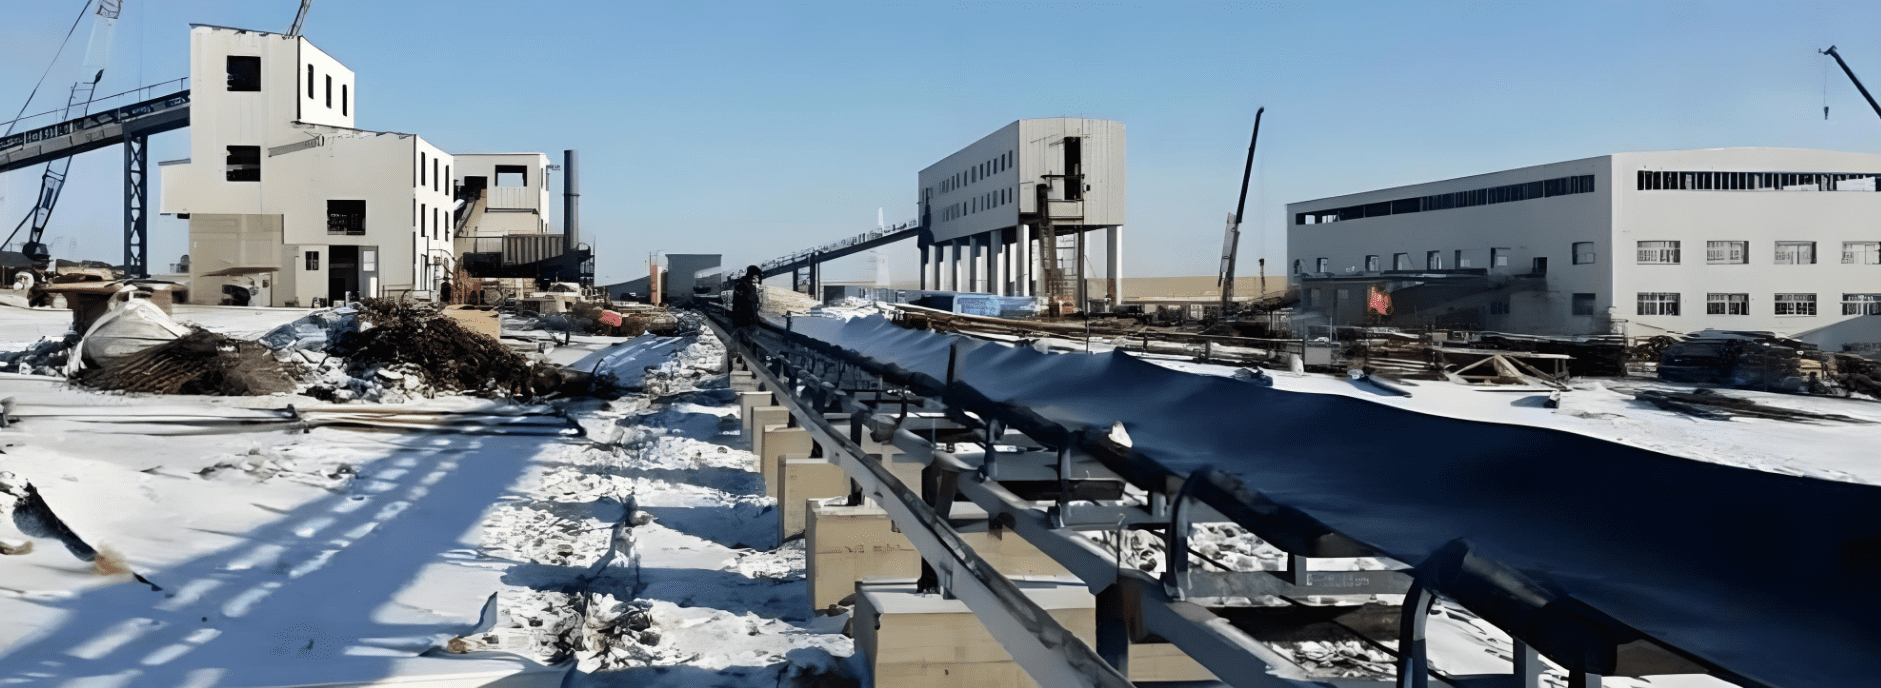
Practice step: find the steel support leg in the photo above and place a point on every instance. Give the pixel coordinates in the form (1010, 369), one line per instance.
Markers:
(1413, 660)
(1113, 629)
(1528, 666)
(136, 203)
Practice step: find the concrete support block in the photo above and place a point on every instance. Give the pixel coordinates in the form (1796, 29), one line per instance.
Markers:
(801, 480)
(778, 441)
(743, 381)
(1154, 662)
(752, 400)
(1008, 553)
(845, 545)
(910, 640)
(759, 418)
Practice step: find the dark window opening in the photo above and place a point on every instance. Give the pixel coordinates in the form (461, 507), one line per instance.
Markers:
(435, 181)
(346, 217)
(313, 260)
(1583, 304)
(329, 90)
(512, 175)
(421, 168)
(244, 164)
(1074, 168)
(1511, 193)
(343, 99)
(244, 73)
(310, 85)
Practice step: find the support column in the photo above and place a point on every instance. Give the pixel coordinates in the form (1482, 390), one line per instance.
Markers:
(1022, 261)
(975, 271)
(995, 262)
(1113, 265)
(924, 257)
(953, 267)
(136, 205)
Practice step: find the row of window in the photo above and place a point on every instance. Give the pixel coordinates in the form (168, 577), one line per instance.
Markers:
(985, 201)
(348, 218)
(1658, 180)
(343, 93)
(436, 182)
(977, 172)
(368, 260)
(1510, 193)
(1738, 253)
(440, 221)
(1648, 253)
(243, 73)
(1716, 303)
(1433, 260)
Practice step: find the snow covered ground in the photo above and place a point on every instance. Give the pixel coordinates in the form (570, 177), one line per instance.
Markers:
(637, 553)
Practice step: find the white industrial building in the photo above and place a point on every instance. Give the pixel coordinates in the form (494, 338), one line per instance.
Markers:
(290, 205)
(981, 209)
(1763, 239)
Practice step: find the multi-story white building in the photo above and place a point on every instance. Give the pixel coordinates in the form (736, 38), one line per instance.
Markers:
(1769, 239)
(981, 206)
(285, 198)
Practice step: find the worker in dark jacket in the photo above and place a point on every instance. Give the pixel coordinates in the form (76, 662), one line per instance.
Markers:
(745, 297)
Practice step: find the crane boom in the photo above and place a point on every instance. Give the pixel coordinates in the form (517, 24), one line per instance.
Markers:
(1232, 244)
(78, 104)
(1851, 77)
(299, 18)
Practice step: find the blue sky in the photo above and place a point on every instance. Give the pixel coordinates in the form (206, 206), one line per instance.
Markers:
(756, 128)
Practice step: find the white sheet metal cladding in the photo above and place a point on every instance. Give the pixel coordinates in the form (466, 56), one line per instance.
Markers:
(986, 186)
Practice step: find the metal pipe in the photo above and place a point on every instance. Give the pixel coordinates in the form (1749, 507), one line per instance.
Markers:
(571, 203)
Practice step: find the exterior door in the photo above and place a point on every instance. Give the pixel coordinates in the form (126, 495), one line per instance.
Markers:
(342, 274)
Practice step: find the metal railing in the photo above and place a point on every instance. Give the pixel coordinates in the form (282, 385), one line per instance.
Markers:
(94, 105)
(862, 238)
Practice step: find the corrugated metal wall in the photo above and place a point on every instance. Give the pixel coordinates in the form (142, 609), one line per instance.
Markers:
(529, 248)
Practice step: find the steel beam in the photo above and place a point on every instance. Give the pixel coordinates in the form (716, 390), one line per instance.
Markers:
(136, 205)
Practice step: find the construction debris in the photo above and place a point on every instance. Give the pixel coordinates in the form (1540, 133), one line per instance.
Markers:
(404, 339)
(201, 362)
(1711, 405)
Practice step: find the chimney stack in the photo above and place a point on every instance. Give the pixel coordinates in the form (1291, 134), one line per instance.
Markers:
(571, 203)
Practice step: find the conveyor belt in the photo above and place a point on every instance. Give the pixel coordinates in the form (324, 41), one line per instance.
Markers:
(1761, 578)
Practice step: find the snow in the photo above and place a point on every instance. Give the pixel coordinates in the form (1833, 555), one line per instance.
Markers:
(293, 554)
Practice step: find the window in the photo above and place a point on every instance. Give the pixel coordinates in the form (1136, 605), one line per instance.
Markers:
(435, 182)
(1498, 308)
(1462, 259)
(1373, 264)
(1861, 253)
(1539, 266)
(1340, 297)
(1727, 304)
(1312, 298)
(421, 169)
(346, 217)
(436, 225)
(244, 73)
(1584, 253)
(1583, 304)
(1400, 261)
(1658, 303)
(1433, 260)
(244, 164)
(1498, 257)
(310, 92)
(1656, 180)
(1727, 252)
(1526, 191)
(1795, 304)
(512, 175)
(1795, 253)
(1297, 267)
(1861, 304)
(313, 259)
(1325, 265)
(368, 260)
(343, 99)
(1658, 253)
(329, 91)
(424, 211)
(449, 184)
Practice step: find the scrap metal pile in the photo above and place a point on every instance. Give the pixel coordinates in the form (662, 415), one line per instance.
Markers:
(415, 340)
(201, 362)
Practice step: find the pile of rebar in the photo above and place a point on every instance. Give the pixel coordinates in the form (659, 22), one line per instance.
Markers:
(201, 362)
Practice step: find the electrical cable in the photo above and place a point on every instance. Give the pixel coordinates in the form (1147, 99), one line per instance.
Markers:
(42, 76)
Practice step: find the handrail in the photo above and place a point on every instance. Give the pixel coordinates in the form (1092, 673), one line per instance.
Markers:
(183, 83)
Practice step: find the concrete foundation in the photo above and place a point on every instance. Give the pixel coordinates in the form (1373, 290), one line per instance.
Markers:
(760, 418)
(844, 545)
(777, 442)
(801, 480)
